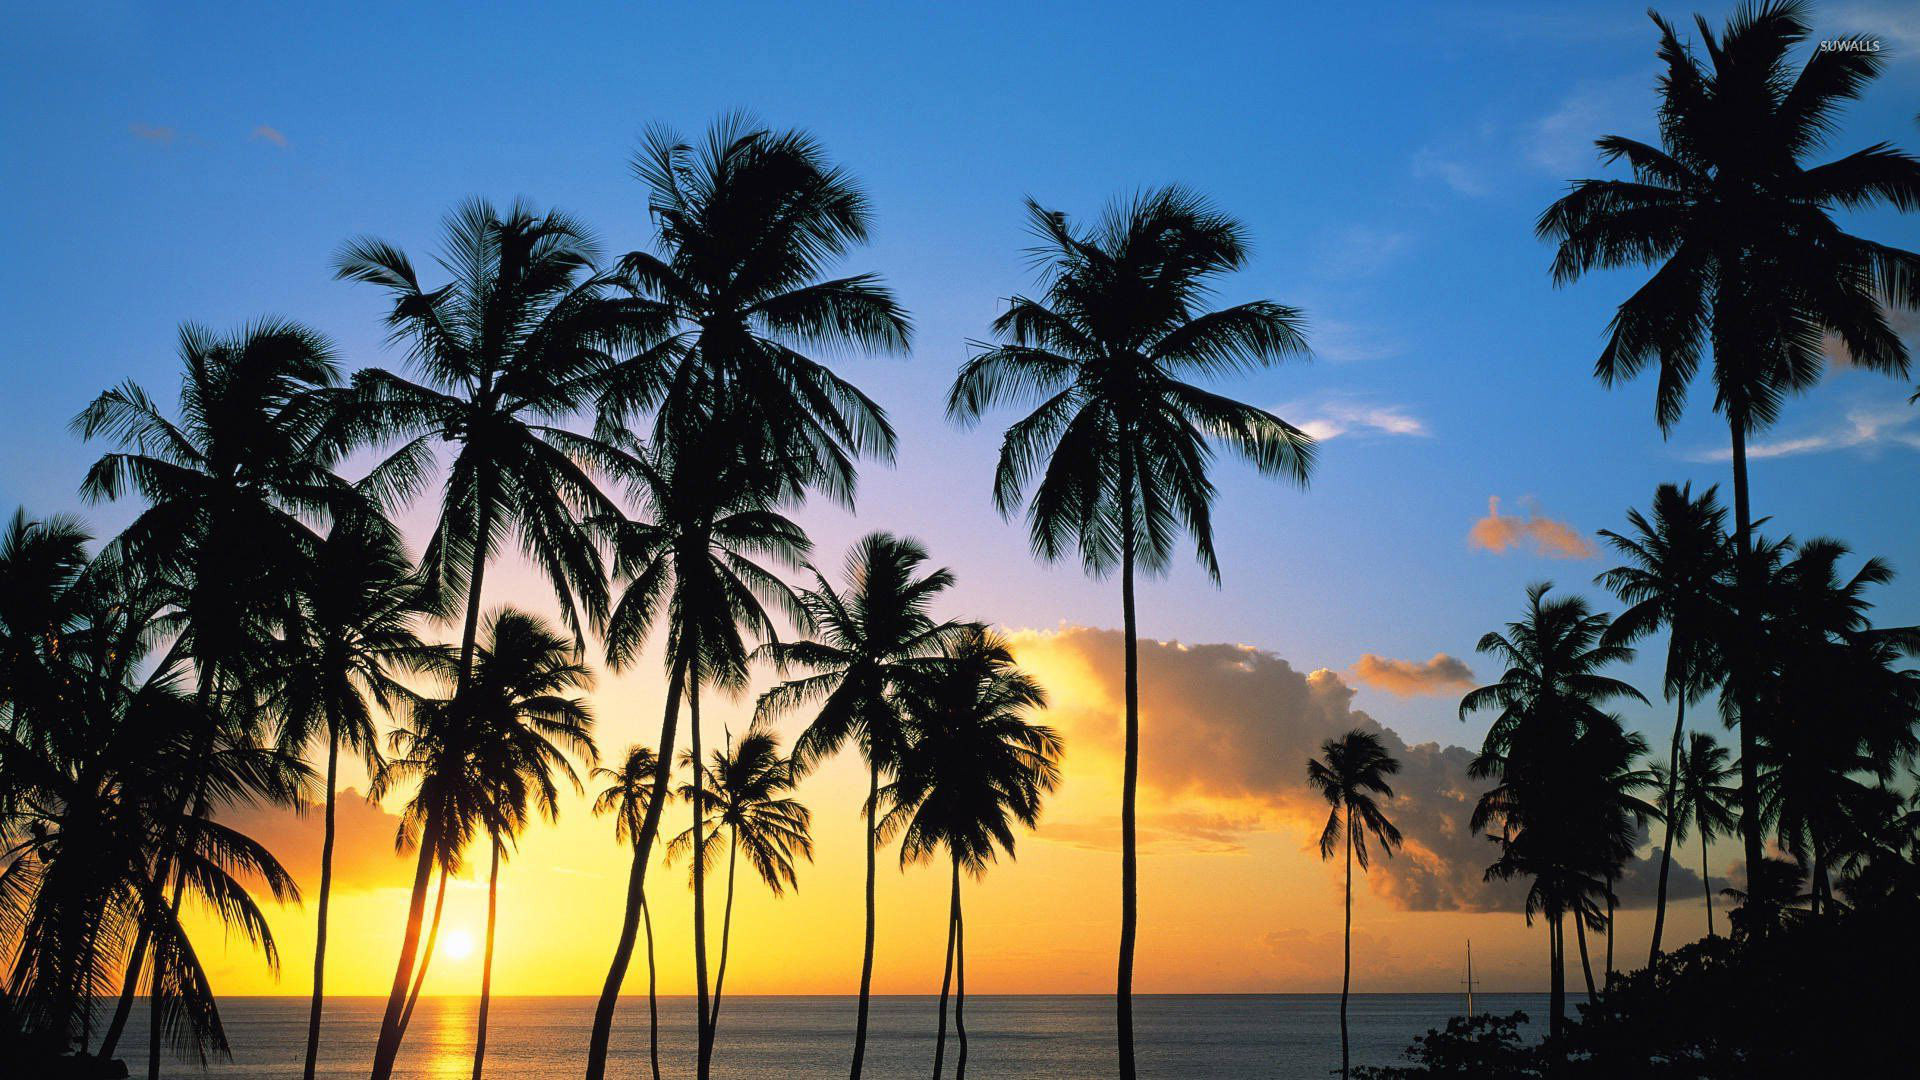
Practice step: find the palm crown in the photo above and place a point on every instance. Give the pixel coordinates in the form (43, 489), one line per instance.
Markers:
(747, 793)
(1350, 771)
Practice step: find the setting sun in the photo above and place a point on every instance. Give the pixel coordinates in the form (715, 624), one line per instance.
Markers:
(457, 945)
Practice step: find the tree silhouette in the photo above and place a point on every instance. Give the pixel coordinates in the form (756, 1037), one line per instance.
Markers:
(1350, 771)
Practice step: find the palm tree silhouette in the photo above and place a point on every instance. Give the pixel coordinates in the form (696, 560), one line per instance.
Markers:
(1699, 794)
(1550, 701)
(230, 487)
(746, 793)
(352, 634)
(974, 767)
(874, 639)
(747, 226)
(522, 337)
(693, 560)
(1676, 565)
(1350, 771)
(1752, 265)
(628, 792)
(1117, 451)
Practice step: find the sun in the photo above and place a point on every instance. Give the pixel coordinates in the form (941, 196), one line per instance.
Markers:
(457, 944)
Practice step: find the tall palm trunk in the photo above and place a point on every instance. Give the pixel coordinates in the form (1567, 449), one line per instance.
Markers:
(1706, 879)
(704, 1046)
(1586, 966)
(960, 984)
(1556, 975)
(486, 963)
(602, 1033)
(726, 934)
(326, 888)
(1744, 647)
(1129, 858)
(426, 954)
(946, 977)
(653, 1000)
(1666, 848)
(388, 1047)
(866, 955)
(1606, 982)
(1346, 953)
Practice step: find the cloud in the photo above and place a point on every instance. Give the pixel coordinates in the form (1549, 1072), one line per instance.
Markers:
(1432, 163)
(1226, 734)
(1561, 142)
(162, 134)
(363, 851)
(1904, 322)
(1334, 419)
(1404, 678)
(1500, 533)
(263, 133)
(1188, 833)
(1868, 429)
(1355, 251)
(1897, 26)
(1558, 142)
(1346, 343)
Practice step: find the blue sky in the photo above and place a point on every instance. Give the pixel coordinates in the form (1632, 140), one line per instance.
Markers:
(1389, 161)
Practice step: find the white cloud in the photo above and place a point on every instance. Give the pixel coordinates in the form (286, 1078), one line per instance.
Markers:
(1896, 25)
(1333, 419)
(1866, 429)
(1340, 342)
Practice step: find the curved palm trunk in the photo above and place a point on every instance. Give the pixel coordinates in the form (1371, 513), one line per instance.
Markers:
(1750, 825)
(326, 888)
(1706, 879)
(602, 1034)
(1129, 858)
(704, 1045)
(486, 963)
(1666, 849)
(960, 984)
(946, 977)
(866, 961)
(388, 1047)
(1346, 961)
(123, 1009)
(726, 934)
(653, 1000)
(426, 954)
(1586, 966)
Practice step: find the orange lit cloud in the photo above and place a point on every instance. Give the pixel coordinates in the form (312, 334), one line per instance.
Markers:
(1500, 533)
(1405, 678)
(363, 852)
(264, 133)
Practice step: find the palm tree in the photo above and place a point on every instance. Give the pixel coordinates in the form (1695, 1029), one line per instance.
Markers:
(747, 226)
(1549, 740)
(1117, 451)
(875, 638)
(746, 793)
(353, 633)
(974, 767)
(525, 727)
(232, 486)
(519, 340)
(1752, 265)
(693, 560)
(1700, 794)
(1349, 772)
(629, 790)
(1676, 564)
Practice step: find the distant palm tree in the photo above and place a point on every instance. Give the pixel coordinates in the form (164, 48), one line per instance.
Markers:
(352, 633)
(974, 767)
(1118, 449)
(748, 225)
(629, 790)
(526, 727)
(1549, 741)
(746, 794)
(522, 338)
(1701, 795)
(1752, 266)
(694, 561)
(1350, 771)
(874, 639)
(1676, 566)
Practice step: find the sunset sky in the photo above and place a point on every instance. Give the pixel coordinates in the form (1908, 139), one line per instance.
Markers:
(1389, 162)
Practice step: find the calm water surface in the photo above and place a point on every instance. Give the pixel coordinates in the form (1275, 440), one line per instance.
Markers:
(1180, 1037)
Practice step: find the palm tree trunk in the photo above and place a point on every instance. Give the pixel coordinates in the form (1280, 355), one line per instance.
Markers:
(1743, 648)
(486, 963)
(866, 956)
(1130, 776)
(123, 1010)
(653, 1000)
(1586, 966)
(946, 977)
(1606, 983)
(726, 933)
(959, 983)
(1666, 848)
(1556, 976)
(1346, 962)
(602, 1034)
(704, 1046)
(388, 1048)
(326, 887)
(426, 954)
(1706, 879)
(470, 633)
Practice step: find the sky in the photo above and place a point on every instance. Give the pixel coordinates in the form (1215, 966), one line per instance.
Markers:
(203, 164)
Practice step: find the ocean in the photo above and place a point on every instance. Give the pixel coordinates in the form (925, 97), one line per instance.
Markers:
(1180, 1037)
